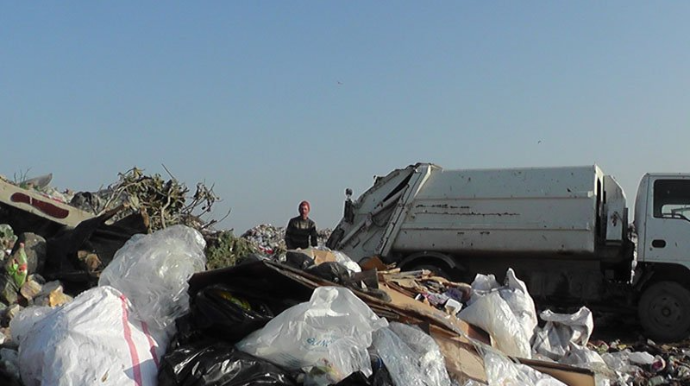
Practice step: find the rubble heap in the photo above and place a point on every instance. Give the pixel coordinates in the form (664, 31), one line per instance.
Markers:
(81, 231)
(270, 239)
(164, 201)
(645, 362)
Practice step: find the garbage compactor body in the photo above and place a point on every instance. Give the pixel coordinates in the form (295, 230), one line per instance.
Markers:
(530, 212)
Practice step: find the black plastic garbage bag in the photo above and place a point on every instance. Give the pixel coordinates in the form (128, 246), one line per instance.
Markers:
(355, 379)
(252, 258)
(298, 260)
(229, 313)
(218, 364)
(381, 377)
(331, 271)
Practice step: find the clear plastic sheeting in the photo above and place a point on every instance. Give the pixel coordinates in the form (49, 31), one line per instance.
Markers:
(94, 340)
(623, 370)
(626, 361)
(152, 271)
(493, 314)
(641, 358)
(472, 382)
(22, 323)
(501, 371)
(345, 356)
(9, 362)
(411, 356)
(429, 355)
(561, 331)
(398, 358)
(316, 334)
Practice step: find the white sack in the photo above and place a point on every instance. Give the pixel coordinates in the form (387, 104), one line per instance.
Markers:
(515, 293)
(561, 330)
(95, 339)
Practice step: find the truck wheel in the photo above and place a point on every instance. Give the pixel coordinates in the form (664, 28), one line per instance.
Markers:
(435, 269)
(664, 311)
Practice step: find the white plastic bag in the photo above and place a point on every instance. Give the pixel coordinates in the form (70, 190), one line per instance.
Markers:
(94, 340)
(493, 314)
(152, 271)
(412, 357)
(344, 356)
(561, 330)
(314, 334)
(345, 260)
(515, 293)
(482, 285)
(342, 259)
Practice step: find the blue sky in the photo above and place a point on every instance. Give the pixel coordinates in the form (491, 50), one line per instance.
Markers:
(274, 102)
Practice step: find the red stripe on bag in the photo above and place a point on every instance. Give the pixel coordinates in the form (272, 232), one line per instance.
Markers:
(136, 367)
(152, 344)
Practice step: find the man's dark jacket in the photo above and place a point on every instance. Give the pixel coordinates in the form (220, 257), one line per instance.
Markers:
(298, 233)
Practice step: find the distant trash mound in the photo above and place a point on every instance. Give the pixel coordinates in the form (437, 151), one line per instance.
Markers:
(270, 239)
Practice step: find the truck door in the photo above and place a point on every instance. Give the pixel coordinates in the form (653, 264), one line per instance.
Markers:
(667, 236)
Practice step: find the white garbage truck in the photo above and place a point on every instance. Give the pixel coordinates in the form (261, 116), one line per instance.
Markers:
(564, 230)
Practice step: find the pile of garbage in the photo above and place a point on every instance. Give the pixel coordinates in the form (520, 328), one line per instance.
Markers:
(72, 236)
(270, 240)
(312, 317)
(645, 362)
(164, 202)
(160, 306)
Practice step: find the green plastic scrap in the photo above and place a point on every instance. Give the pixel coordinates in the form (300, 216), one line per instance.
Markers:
(6, 231)
(7, 236)
(17, 265)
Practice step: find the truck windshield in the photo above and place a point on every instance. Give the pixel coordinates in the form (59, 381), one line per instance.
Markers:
(672, 199)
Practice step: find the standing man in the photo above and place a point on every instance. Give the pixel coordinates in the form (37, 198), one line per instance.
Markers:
(301, 229)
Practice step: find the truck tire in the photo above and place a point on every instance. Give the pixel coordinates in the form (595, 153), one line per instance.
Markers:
(664, 311)
(435, 269)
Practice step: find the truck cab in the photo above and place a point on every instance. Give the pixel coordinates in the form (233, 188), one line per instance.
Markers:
(662, 219)
(662, 276)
